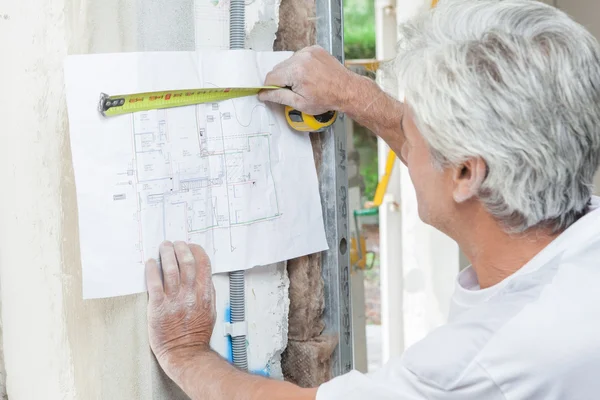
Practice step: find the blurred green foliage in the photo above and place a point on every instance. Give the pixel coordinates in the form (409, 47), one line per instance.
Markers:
(359, 29)
(370, 174)
(359, 43)
(366, 145)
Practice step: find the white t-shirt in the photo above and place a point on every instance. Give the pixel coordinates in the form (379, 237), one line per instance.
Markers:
(535, 335)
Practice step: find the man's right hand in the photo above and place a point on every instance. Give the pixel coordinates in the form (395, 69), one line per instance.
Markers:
(318, 82)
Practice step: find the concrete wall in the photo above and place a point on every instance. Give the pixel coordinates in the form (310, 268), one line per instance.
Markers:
(57, 346)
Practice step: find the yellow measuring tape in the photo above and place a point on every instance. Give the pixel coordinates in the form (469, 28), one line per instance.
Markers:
(129, 103)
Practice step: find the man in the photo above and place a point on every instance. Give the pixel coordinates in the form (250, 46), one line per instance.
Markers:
(500, 131)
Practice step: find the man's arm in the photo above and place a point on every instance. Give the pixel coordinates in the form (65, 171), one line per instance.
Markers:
(208, 376)
(317, 82)
(181, 318)
(374, 109)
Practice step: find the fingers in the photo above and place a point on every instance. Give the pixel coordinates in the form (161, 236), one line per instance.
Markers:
(182, 264)
(154, 282)
(203, 270)
(316, 78)
(169, 268)
(187, 263)
(280, 76)
(282, 96)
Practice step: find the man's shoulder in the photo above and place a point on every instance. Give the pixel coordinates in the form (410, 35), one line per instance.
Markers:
(524, 325)
(449, 354)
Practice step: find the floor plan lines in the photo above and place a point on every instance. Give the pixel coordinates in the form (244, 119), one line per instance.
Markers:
(231, 176)
(202, 172)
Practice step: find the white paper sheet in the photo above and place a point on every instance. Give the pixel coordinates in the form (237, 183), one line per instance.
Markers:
(231, 176)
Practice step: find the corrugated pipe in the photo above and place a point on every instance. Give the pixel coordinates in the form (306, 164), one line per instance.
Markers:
(237, 301)
(237, 24)
(237, 284)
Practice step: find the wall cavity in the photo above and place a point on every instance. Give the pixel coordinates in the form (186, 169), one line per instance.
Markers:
(307, 358)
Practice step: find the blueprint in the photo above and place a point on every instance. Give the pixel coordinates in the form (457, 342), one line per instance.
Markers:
(230, 176)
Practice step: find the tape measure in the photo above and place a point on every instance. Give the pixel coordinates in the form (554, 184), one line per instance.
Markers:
(309, 123)
(129, 103)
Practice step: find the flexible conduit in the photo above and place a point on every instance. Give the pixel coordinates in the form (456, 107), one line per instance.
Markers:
(237, 24)
(237, 284)
(237, 302)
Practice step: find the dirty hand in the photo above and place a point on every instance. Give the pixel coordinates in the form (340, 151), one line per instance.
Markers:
(181, 311)
(318, 82)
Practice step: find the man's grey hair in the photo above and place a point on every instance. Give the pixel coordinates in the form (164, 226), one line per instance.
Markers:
(517, 83)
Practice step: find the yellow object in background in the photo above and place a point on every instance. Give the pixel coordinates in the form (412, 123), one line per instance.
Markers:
(383, 182)
(358, 245)
(358, 258)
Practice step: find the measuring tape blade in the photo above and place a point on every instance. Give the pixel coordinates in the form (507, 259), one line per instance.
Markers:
(130, 103)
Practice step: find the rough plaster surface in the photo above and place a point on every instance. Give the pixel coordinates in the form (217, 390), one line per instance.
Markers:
(93, 349)
(267, 306)
(262, 22)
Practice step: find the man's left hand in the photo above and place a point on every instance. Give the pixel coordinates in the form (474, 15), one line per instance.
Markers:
(181, 307)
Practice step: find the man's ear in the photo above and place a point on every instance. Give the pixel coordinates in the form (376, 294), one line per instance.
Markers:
(468, 178)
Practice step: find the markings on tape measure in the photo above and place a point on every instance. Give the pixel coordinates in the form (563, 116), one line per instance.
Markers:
(130, 103)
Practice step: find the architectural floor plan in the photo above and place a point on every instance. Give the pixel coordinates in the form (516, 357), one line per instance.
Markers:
(231, 176)
(203, 175)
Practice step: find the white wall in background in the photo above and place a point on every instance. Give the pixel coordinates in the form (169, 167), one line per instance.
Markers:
(418, 263)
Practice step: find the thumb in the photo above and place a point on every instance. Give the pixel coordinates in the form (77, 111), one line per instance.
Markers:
(281, 96)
